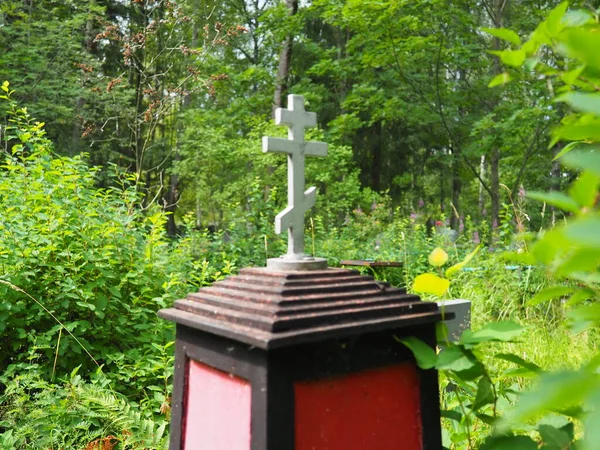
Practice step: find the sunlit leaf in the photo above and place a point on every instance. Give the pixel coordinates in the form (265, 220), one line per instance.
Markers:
(554, 21)
(504, 34)
(456, 267)
(583, 44)
(429, 283)
(513, 58)
(571, 76)
(501, 79)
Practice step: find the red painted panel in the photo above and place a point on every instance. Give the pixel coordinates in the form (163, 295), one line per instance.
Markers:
(371, 410)
(217, 415)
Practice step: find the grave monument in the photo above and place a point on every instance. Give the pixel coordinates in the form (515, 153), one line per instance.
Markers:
(299, 356)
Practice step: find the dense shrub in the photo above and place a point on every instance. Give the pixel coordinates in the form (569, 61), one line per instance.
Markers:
(89, 257)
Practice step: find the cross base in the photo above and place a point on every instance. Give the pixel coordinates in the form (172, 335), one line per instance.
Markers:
(301, 263)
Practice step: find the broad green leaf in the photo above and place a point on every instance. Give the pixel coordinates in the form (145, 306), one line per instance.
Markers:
(582, 43)
(470, 374)
(501, 79)
(510, 357)
(451, 414)
(550, 293)
(571, 76)
(579, 296)
(505, 34)
(584, 160)
(582, 101)
(453, 358)
(438, 257)
(584, 232)
(494, 332)
(585, 189)
(555, 392)
(531, 63)
(509, 443)
(582, 129)
(429, 283)
(484, 395)
(592, 421)
(576, 18)
(546, 249)
(557, 199)
(456, 267)
(513, 58)
(424, 355)
(485, 418)
(584, 316)
(554, 21)
(554, 438)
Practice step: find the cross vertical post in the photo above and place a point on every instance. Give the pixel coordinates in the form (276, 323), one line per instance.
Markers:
(299, 201)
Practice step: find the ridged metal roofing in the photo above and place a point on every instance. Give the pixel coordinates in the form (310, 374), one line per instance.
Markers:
(269, 308)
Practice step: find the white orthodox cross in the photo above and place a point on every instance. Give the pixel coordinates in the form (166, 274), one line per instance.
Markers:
(299, 201)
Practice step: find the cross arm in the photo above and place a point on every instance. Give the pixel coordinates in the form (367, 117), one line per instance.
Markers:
(278, 145)
(283, 220)
(315, 149)
(295, 117)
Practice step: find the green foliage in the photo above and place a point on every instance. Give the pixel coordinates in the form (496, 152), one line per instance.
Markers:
(569, 254)
(90, 256)
(84, 271)
(37, 413)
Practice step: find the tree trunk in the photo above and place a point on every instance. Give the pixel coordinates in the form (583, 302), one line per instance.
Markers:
(285, 58)
(481, 188)
(495, 186)
(173, 193)
(456, 190)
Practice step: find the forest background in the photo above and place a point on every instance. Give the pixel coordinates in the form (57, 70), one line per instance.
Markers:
(146, 180)
(180, 92)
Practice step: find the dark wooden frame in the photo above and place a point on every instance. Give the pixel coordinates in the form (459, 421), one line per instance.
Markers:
(272, 404)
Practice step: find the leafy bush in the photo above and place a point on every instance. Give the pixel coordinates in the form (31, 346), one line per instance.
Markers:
(73, 414)
(90, 257)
